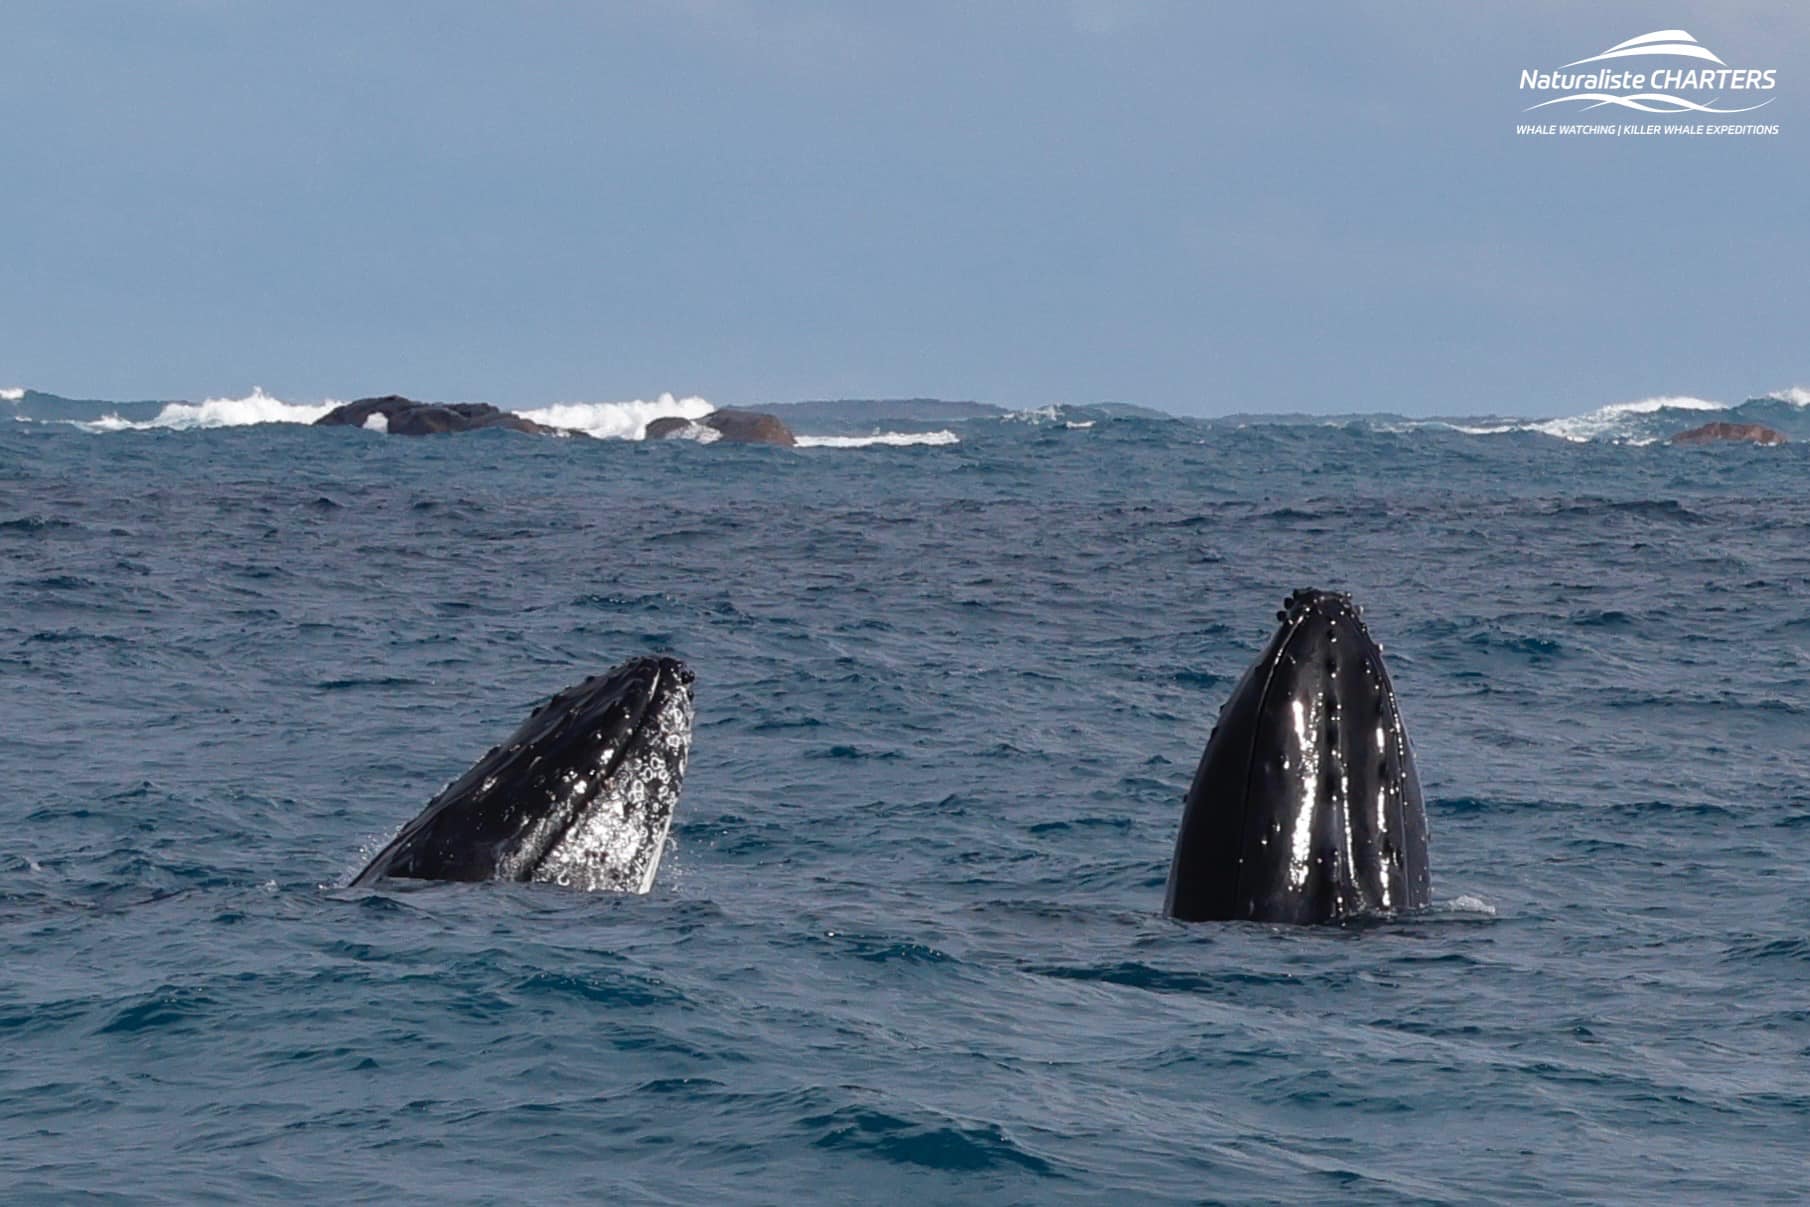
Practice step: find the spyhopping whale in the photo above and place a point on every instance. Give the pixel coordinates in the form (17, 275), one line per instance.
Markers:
(1306, 806)
(582, 794)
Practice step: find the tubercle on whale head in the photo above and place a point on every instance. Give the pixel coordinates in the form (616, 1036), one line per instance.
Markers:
(1310, 617)
(1306, 601)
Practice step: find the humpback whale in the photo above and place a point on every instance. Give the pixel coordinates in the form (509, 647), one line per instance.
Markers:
(1306, 806)
(582, 794)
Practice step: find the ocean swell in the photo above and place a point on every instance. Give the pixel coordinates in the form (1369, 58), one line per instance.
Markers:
(887, 439)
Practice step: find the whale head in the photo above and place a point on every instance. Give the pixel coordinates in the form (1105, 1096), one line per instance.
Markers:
(582, 794)
(1306, 806)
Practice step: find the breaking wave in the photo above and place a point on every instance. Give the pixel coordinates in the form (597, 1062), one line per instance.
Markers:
(1612, 422)
(1056, 414)
(256, 407)
(12, 395)
(617, 420)
(1052, 413)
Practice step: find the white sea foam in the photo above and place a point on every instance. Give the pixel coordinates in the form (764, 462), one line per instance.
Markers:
(256, 407)
(1043, 414)
(617, 420)
(1494, 429)
(889, 439)
(1612, 420)
(1797, 396)
(1055, 413)
(703, 433)
(1609, 422)
(12, 395)
(377, 421)
(1472, 905)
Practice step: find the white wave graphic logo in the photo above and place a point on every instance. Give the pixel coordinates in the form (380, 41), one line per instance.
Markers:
(1655, 91)
(1660, 41)
(1645, 102)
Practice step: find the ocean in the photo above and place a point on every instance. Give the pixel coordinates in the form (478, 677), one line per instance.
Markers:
(906, 944)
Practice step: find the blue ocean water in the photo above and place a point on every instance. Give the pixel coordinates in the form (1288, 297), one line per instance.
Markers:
(907, 943)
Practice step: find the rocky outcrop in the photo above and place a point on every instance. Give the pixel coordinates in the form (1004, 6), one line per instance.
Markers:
(1747, 433)
(668, 426)
(750, 427)
(406, 417)
(737, 427)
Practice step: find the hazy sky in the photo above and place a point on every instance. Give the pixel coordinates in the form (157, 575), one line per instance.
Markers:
(1200, 207)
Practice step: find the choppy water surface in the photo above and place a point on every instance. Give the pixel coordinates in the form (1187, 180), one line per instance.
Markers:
(907, 941)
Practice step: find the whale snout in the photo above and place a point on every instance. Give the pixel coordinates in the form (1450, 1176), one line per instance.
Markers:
(581, 794)
(1306, 806)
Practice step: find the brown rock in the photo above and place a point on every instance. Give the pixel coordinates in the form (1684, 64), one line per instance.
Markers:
(1750, 433)
(736, 427)
(750, 427)
(406, 417)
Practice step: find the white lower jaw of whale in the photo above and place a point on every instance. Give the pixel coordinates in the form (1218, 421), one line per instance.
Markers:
(618, 843)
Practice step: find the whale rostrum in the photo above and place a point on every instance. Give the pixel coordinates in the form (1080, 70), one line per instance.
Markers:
(1306, 806)
(582, 794)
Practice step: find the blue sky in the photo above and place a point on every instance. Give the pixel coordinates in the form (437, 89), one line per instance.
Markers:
(1204, 208)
